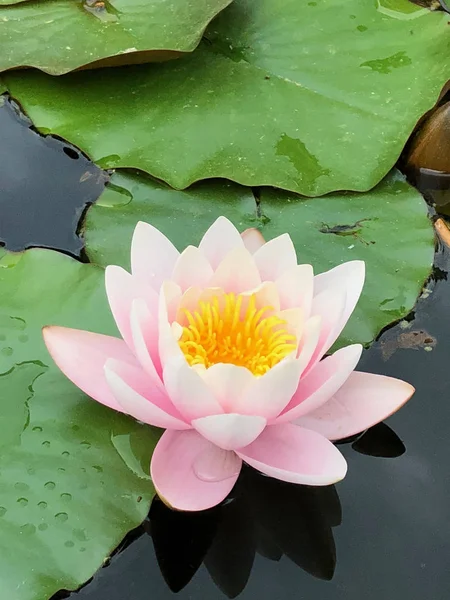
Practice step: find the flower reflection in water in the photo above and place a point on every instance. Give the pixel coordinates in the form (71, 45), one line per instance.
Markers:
(262, 515)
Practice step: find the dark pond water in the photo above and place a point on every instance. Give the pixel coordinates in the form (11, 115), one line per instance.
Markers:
(382, 533)
(45, 185)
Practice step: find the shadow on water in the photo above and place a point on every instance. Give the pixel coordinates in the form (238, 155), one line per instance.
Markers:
(45, 185)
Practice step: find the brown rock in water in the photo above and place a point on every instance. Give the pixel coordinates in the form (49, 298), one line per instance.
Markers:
(430, 148)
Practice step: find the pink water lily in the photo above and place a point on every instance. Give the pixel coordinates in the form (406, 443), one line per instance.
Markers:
(222, 346)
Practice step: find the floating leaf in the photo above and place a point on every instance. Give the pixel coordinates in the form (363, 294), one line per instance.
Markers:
(59, 36)
(74, 475)
(306, 96)
(326, 231)
(130, 198)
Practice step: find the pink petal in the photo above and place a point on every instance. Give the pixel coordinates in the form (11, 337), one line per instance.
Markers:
(330, 310)
(237, 272)
(139, 397)
(276, 257)
(253, 239)
(121, 289)
(171, 296)
(228, 383)
(153, 256)
(295, 288)
(168, 347)
(269, 394)
(364, 400)
(220, 239)
(322, 382)
(309, 340)
(297, 455)
(81, 356)
(265, 294)
(192, 269)
(188, 391)
(190, 301)
(189, 473)
(144, 330)
(230, 431)
(347, 277)
(294, 320)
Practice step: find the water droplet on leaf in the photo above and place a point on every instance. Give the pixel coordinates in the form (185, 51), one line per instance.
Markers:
(61, 517)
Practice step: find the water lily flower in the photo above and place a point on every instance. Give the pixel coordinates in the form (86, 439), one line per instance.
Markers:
(223, 345)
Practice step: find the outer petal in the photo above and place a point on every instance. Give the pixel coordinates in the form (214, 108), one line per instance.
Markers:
(270, 393)
(363, 401)
(295, 287)
(349, 278)
(322, 382)
(230, 431)
(171, 295)
(330, 310)
(237, 272)
(297, 455)
(140, 397)
(167, 343)
(253, 239)
(309, 340)
(121, 289)
(189, 473)
(81, 356)
(144, 331)
(275, 257)
(220, 239)
(192, 269)
(153, 256)
(188, 391)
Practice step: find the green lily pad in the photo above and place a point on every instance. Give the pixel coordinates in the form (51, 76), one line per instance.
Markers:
(9, 2)
(74, 475)
(311, 97)
(58, 36)
(326, 231)
(129, 198)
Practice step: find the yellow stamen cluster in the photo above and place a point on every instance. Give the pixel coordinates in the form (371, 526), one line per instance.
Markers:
(222, 330)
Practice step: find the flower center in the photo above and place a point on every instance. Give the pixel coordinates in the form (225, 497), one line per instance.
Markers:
(221, 330)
